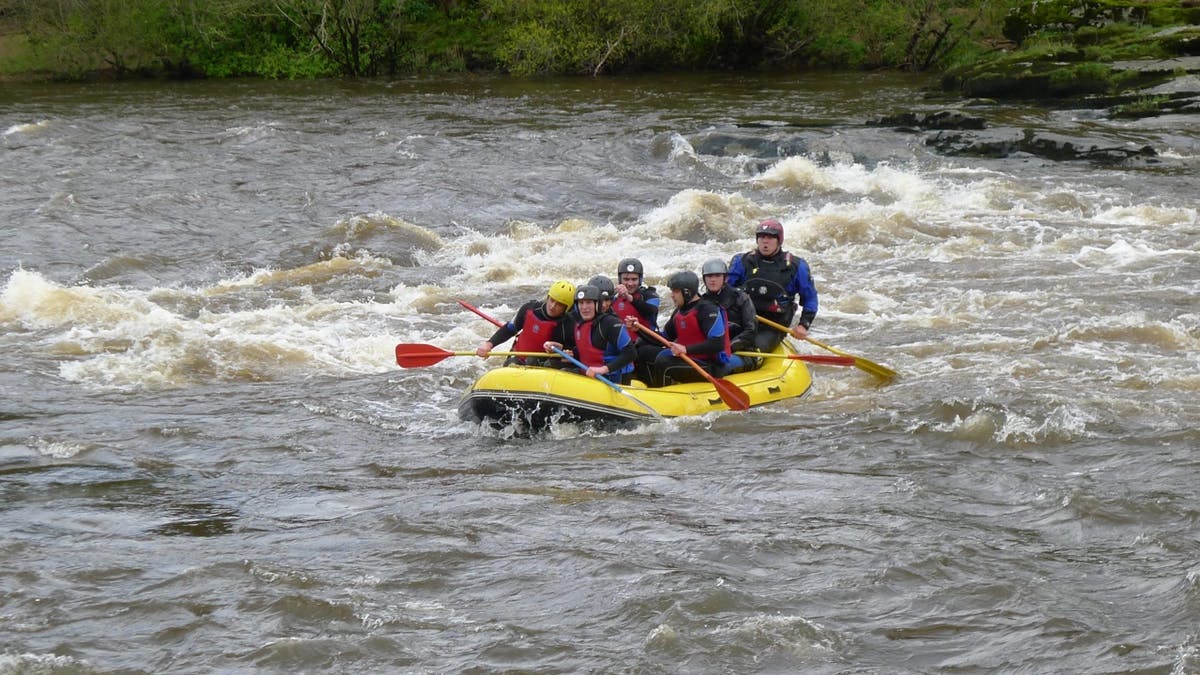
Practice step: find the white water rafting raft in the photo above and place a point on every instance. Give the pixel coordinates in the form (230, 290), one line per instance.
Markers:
(536, 396)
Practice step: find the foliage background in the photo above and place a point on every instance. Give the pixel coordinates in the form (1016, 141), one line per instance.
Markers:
(318, 38)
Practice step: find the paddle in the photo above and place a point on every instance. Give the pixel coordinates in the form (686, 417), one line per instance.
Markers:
(882, 372)
(729, 392)
(498, 323)
(409, 355)
(823, 359)
(609, 382)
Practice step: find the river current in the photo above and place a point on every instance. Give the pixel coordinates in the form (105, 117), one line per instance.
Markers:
(210, 461)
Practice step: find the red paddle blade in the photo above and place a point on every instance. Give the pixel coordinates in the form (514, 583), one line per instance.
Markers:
(732, 395)
(825, 359)
(419, 355)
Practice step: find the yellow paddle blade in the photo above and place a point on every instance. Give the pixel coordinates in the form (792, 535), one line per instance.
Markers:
(882, 372)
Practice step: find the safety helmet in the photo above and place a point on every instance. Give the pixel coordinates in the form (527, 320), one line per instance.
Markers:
(685, 282)
(587, 292)
(714, 266)
(604, 285)
(771, 228)
(562, 292)
(630, 266)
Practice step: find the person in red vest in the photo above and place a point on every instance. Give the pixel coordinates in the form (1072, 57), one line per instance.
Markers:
(538, 325)
(601, 342)
(634, 301)
(696, 328)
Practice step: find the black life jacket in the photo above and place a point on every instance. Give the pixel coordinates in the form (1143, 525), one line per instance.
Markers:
(766, 281)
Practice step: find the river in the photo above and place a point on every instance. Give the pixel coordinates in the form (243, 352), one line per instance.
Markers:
(210, 461)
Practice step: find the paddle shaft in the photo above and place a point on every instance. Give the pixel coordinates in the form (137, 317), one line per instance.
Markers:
(496, 322)
(615, 387)
(415, 355)
(882, 372)
(823, 359)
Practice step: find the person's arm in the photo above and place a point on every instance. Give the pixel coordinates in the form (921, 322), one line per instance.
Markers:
(613, 332)
(504, 333)
(737, 273)
(668, 329)
(647, 307)
(712, 322)
(803, 286)
(744, 307)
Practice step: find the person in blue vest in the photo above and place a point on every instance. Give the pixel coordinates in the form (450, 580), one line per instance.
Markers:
(538, 325)
(634, 301)
(775, 279)
(601, 342)
(697, 329)
(739, 313)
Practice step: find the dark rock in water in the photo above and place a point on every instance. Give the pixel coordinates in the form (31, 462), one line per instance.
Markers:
(723, 144)
(1009, 141)
(943, 119)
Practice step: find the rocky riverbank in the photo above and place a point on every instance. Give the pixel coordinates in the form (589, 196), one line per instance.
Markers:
(1115, 60)
(1134, 58)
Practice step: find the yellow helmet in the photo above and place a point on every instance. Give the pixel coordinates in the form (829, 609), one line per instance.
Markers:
(563, 292)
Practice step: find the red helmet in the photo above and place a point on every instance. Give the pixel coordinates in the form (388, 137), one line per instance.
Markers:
(771, 228)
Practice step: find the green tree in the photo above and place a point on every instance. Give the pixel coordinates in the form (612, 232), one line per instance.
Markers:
(594, 36)
(362, 37)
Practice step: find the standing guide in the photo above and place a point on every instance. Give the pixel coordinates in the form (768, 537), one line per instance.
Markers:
(774, 279)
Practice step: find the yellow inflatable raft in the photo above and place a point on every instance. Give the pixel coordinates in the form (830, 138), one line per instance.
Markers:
(535, 397)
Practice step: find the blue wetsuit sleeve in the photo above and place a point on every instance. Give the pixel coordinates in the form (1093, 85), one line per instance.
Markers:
(737, 274)
(803, 286)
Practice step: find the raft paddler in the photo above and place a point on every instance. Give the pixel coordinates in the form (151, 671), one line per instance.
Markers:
(739, 313)
(538, 325)
(696, 328)
(634, 301)
(601, 342)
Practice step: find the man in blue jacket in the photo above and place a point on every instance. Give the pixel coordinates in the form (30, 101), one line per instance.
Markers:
(775, 279)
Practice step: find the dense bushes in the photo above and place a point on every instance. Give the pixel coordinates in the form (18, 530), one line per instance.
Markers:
(310, 38)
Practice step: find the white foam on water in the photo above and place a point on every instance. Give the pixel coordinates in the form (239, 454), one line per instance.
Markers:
(27, 127)
(35, 664)
(870, 235)
(120, 338)
(1122, 254)
(57, 449)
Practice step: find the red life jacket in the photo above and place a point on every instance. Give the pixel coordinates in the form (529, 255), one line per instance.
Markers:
(624, 309)
(688, 331)
(588, 353)
(534, 333)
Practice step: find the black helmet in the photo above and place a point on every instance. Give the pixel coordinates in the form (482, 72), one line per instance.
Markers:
(587, 292)
(714, 266)
(605, 286)
(630, 266)
(685, 282)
